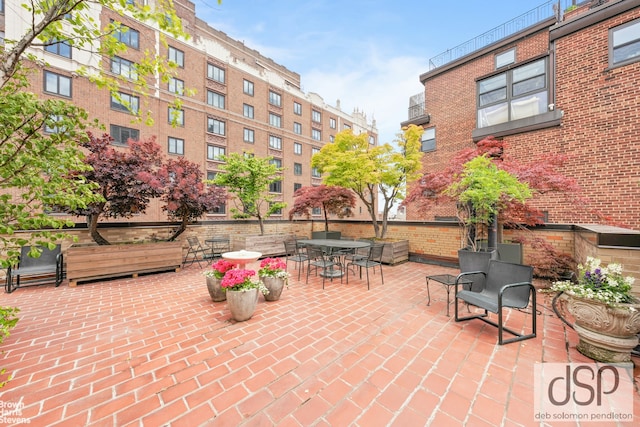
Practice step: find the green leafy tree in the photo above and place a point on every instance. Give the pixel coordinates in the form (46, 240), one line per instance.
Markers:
(248, 178)
(331, 199)
(8, 319)
(351, 162)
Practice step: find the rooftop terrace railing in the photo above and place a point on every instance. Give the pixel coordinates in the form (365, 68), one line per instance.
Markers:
(532, 17)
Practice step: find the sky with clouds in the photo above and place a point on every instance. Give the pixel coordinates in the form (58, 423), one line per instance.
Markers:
(369, 54)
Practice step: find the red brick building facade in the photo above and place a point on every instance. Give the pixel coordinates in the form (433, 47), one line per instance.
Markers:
(564, 85)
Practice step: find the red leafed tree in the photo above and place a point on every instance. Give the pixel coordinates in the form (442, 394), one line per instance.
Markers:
(126, 179)
(542, 175)
(185, 195)
(334, 200)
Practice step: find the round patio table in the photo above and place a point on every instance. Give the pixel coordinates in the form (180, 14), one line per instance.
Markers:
(330, 245)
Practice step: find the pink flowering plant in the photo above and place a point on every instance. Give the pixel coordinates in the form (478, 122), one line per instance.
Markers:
(219, 268)
(273, 267)
(242, 280)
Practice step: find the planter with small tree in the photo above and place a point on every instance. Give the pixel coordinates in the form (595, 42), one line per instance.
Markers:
(333, 200)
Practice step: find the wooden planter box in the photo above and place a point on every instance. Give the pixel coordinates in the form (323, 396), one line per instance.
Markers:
(90, 262)
(267, 245)
(395, 251)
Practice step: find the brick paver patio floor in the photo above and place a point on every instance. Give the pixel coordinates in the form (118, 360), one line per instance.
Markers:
(155, 351)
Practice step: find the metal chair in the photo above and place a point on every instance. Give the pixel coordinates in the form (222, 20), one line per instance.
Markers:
(372, 260)
(196, 251)
(293, 253)
(506, 285)
(317, 259)
(38, 270)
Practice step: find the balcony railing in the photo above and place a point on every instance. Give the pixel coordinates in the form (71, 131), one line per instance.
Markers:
(532, 17)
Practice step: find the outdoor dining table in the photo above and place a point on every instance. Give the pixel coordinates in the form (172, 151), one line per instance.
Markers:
(331, 246)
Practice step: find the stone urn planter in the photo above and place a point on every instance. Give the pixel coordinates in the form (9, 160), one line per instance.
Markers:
(274, 285)
(215, 290)
(607, 333)
(242, 304)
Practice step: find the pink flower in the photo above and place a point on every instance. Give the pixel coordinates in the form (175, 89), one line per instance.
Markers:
(272, 266)
(237, 280)
(220, 267)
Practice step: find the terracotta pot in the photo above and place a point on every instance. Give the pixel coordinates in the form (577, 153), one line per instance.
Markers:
(275, 286)
(242, 304)
(607, 334)
(215, 290)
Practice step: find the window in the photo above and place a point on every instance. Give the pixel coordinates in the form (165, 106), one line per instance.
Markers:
(315, 173)
(176, 86)
(297, 128)
(346, 126)
(316, 134)
(275, 120)
(316, 211)
(275, 142)
(279, 210)
(296, 186)
(275, 187)
(276, 162)
(372, 140)
(247, 110)
(505, 58)
(297, 108)
(215, 153)
(57, 84)
(123, 67)
(127, 35)
(215, 99)
(127, 103)
(275, 99)
(515, 94)
(215, 73)
(176, 145)
(247, 87)
(297, 168)
(249, 136)
(624, 43)
(176, 117)
(316, 116)
(62, 48)
(176, 56)
(314, 151)
(121, 134)
(297, 148)
(50, 127)
(332, 138)
(428, 142)
(332, 123)
(215, 126)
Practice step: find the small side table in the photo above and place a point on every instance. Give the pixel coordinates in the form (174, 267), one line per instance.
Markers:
(447, 280)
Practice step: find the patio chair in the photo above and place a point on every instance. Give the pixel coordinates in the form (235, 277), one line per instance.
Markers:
(296, 254)
(372, 260)
(317, 259)
(219, 244)
(506, 286)
(37, 270)
(196, 252)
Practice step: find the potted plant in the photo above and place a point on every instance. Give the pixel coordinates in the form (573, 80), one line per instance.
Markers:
(214, 278)
(332, 199)
(606, 314)
(242, 289)
(273, 274)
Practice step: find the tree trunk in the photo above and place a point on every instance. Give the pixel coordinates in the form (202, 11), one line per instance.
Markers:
(492, 233)
(92, 222)
(326, 219)
(179, 230)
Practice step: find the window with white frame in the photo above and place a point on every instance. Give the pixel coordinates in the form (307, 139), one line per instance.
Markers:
(297, 128)
(128, 36)
(297, 148)
(372, 140)
(125, 102)
(249, 135)
(57, 84)
(314, 151)
(276, 162)
(332, 123)
(316, 116)
(176, 86)
(247, 87)
(121, 134)
(215, 73)
(215, 99)
(123, 67)
(176, 56)
(247, 110)
(275, 99)
(505, 58)
(315, 173)
(624, 43)
(428, 141)
(275, 120)
(346, 126)
(514, 94)
(297, 168)
(275, 142)
(215, 153)
(316, 134)
(332, 138)
(176, 116)
(176, 145)
(297, 108)
(61, 48)
(215, 126)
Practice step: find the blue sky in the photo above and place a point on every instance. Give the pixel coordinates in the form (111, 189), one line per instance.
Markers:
(367, 53)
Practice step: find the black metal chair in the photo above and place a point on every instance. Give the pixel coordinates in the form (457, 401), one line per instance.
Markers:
(196, 252)
(294, 253)
(219, 244)
(372, 260)
(506, 286)
(317, 259)
(36, 270)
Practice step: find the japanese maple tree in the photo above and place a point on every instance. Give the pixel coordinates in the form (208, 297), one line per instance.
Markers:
(332, 199)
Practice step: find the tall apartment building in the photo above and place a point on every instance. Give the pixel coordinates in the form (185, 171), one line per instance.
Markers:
(548, 82)
(242, 101)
